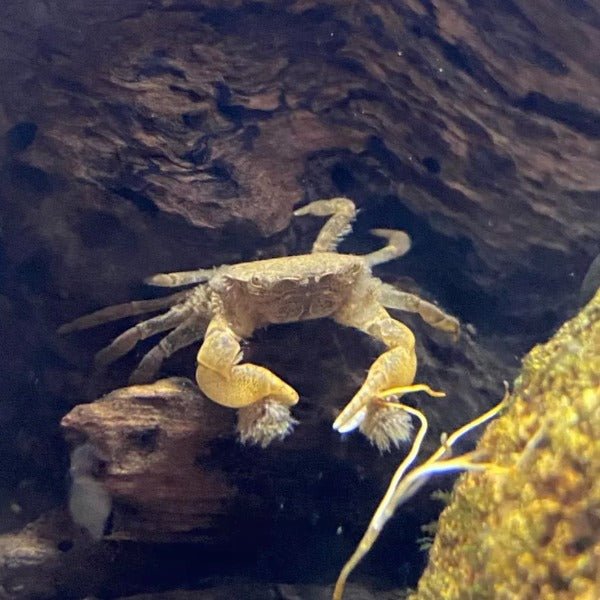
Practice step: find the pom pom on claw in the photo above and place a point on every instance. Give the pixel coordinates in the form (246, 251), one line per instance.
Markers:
(264, 421)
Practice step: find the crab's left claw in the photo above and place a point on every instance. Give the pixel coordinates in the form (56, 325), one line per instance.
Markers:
(374, 409)
(384, 427)
(263, 400)
(384, 424)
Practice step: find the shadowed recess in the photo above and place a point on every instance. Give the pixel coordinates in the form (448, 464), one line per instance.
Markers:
(139, 200)
(35, 272)
(20, 136)
(439, 264)
(570, 114)
(30, 178)
(317, 485)
(100, 229)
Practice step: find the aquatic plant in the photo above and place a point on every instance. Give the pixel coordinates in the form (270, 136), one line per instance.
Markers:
(404, 484)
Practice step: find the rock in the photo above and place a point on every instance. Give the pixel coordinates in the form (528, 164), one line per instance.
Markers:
(50, 558)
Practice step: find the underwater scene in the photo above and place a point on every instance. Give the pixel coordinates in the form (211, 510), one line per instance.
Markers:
(299, 300)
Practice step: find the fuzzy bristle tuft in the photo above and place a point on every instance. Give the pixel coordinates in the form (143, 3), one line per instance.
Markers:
(264, 421)
(386, 426)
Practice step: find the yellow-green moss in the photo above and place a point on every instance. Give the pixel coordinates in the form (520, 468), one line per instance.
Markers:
(532, 532)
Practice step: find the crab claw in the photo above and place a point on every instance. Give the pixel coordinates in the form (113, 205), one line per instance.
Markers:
(394, 367)
(384, 424)
(227, 382)
(263, 399)
(381, 419)
(244, 385)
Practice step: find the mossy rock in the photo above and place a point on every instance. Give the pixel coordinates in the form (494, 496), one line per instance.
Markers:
(532, 531)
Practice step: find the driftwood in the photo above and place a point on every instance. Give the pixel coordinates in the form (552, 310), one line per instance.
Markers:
(143, 136)
(153, 445)
(169, 460)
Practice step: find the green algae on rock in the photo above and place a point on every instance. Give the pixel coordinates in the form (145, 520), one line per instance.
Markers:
(532, 531)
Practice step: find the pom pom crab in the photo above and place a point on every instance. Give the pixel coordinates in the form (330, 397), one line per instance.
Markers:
(229, 302)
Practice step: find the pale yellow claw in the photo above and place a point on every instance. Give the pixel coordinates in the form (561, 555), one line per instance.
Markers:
(385, 428)
(244, 385)
(393, 368)
(231, 384)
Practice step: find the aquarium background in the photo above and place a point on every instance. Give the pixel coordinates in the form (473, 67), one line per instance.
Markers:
(149, 136)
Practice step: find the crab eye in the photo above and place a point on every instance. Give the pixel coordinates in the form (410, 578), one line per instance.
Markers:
(255, 284)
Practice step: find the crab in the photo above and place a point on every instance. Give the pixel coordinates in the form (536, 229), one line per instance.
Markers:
(228, 303)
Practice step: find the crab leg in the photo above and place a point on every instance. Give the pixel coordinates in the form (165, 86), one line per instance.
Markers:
(180, 278)
(398, 245)
(395, 368)
(125, 342)
(196, 303)
(341, 212)
(120, 311)
(430, 313)
(188, 332)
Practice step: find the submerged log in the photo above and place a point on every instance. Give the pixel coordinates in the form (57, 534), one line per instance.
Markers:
(169, 460)
(473, 124)
(154, 446)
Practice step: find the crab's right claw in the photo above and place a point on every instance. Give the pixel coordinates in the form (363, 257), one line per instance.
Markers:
(243, 386)
(227, 382)
(263, 400)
